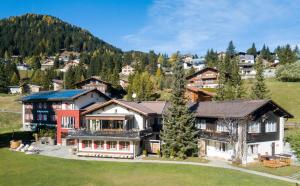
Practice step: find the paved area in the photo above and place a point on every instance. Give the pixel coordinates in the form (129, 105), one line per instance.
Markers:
(63, 152)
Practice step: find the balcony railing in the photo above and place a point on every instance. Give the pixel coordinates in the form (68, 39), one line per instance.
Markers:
(220, 136)
(110, 133)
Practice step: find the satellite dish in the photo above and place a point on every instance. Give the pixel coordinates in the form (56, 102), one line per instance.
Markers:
(133, 95)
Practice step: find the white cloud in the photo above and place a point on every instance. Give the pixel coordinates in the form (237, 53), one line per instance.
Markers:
(196, 25)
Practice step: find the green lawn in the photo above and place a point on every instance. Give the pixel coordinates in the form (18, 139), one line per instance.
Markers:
(286, 94)
(9, 120)
(282, 171)
(20, 169)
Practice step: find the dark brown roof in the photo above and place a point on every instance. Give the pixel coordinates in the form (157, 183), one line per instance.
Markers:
(234, 109)
(201, 71)
(145, 107)
(91, 78)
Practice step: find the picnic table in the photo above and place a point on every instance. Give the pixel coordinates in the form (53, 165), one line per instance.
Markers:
(278, 160)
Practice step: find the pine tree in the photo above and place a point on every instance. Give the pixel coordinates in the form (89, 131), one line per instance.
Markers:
(230, 50)
(179, 134)
(14, 80)
(259, 89)
(3, 79)
(70, 78)
(252, 50)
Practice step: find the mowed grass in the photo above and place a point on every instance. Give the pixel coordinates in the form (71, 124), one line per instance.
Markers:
(9, 118)
(286, 94)
(20, 169)
(282, 171)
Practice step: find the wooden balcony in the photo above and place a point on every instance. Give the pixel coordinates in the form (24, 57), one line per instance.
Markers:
(213, 135)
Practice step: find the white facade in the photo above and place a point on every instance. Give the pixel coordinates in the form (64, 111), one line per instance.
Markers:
(127, 70)
(139, 121)
(15, 90)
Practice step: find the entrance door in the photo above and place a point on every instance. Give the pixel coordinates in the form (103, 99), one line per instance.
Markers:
(273, 148)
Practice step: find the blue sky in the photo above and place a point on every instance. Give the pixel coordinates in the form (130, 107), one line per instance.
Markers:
(190, 26)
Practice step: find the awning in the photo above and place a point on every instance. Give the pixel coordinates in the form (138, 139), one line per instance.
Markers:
(109, 116)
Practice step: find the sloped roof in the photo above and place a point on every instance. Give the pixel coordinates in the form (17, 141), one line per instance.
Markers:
(59, 95)
(144, 107)
(91, 78)
(234, 109)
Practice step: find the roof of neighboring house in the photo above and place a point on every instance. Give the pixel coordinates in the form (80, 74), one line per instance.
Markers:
(89, 79)
(144, 107)
(246, 57)
(235, 108)
(200, 90)
(201, 71)
(58, 81)
(59, 95)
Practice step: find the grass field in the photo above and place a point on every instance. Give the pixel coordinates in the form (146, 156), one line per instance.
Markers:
(282, 171)
(8, 119)
(21, 169)
(286, 94)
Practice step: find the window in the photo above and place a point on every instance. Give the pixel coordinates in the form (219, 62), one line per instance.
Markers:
(221, 146)
(40, 105)
(271, 127)
(252, 149)
(111, 145)
(45, 105)
(53, 117)
(39, 117)
(45, 117)
(98, 144)
(254, 128)
(68, 122)
(201, 124)
(86, 144)
(124, 145)
(221, 128)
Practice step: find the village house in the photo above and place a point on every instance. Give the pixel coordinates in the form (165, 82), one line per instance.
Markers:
(57, 84)
(246, 58)
(205, 78)
(47, 64)
(15, 89)
(127, 70)
(95, 82)
(67, 55)
(23, 66)
(243, 129)
(39, 109)
(115, 128)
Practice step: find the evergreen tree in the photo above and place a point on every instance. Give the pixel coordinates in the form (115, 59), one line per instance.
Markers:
(230, 82)
(56, 62)
(252, 50)
(211, 58)
(15, 79)
(230, 51)
(3, 79)
(70, 78)
(179, 134)
(36, 77)
(259, 89)
(35, 63)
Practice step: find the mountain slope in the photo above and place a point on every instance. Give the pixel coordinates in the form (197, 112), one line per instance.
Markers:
(33, 34)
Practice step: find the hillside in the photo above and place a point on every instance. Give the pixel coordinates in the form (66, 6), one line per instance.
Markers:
(33, 34)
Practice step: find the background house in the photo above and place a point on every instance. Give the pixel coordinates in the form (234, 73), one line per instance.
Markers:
(205, 78)
(127, 70)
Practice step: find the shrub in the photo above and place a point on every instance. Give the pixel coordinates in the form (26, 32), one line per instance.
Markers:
(145, 152)
(293, 137)
(288, 72)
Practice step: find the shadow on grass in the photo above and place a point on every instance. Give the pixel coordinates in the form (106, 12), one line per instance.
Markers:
(5, 138)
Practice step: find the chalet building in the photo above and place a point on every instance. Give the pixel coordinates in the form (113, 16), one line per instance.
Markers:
(195, 94)
(127, 70)
(240, 129)
(47, 64)
(95, 83)
(246, 58)
(205, 78)
(40, 109)
(115, 128)
(65, 56)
